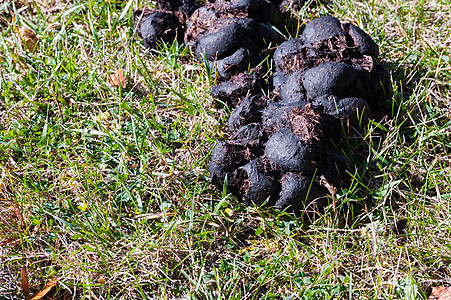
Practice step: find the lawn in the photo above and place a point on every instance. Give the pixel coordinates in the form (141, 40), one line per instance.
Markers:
(105, 193)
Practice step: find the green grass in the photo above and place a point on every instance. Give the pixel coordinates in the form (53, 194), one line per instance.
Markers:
(106, 189)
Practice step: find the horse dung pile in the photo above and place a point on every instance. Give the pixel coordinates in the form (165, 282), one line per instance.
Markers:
(283, 145)
(282, 148)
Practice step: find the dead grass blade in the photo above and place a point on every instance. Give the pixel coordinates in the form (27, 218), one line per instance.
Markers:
(440, 293)
(45, 290)
(24, 280)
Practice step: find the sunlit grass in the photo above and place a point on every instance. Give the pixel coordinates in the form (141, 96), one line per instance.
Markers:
(106, 190)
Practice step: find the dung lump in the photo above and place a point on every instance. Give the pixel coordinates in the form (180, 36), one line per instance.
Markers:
(155, 26)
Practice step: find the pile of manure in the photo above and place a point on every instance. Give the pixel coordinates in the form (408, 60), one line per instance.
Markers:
(283, 146)
(283, 149)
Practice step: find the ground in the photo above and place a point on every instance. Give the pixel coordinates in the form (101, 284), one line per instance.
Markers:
(105, 189)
